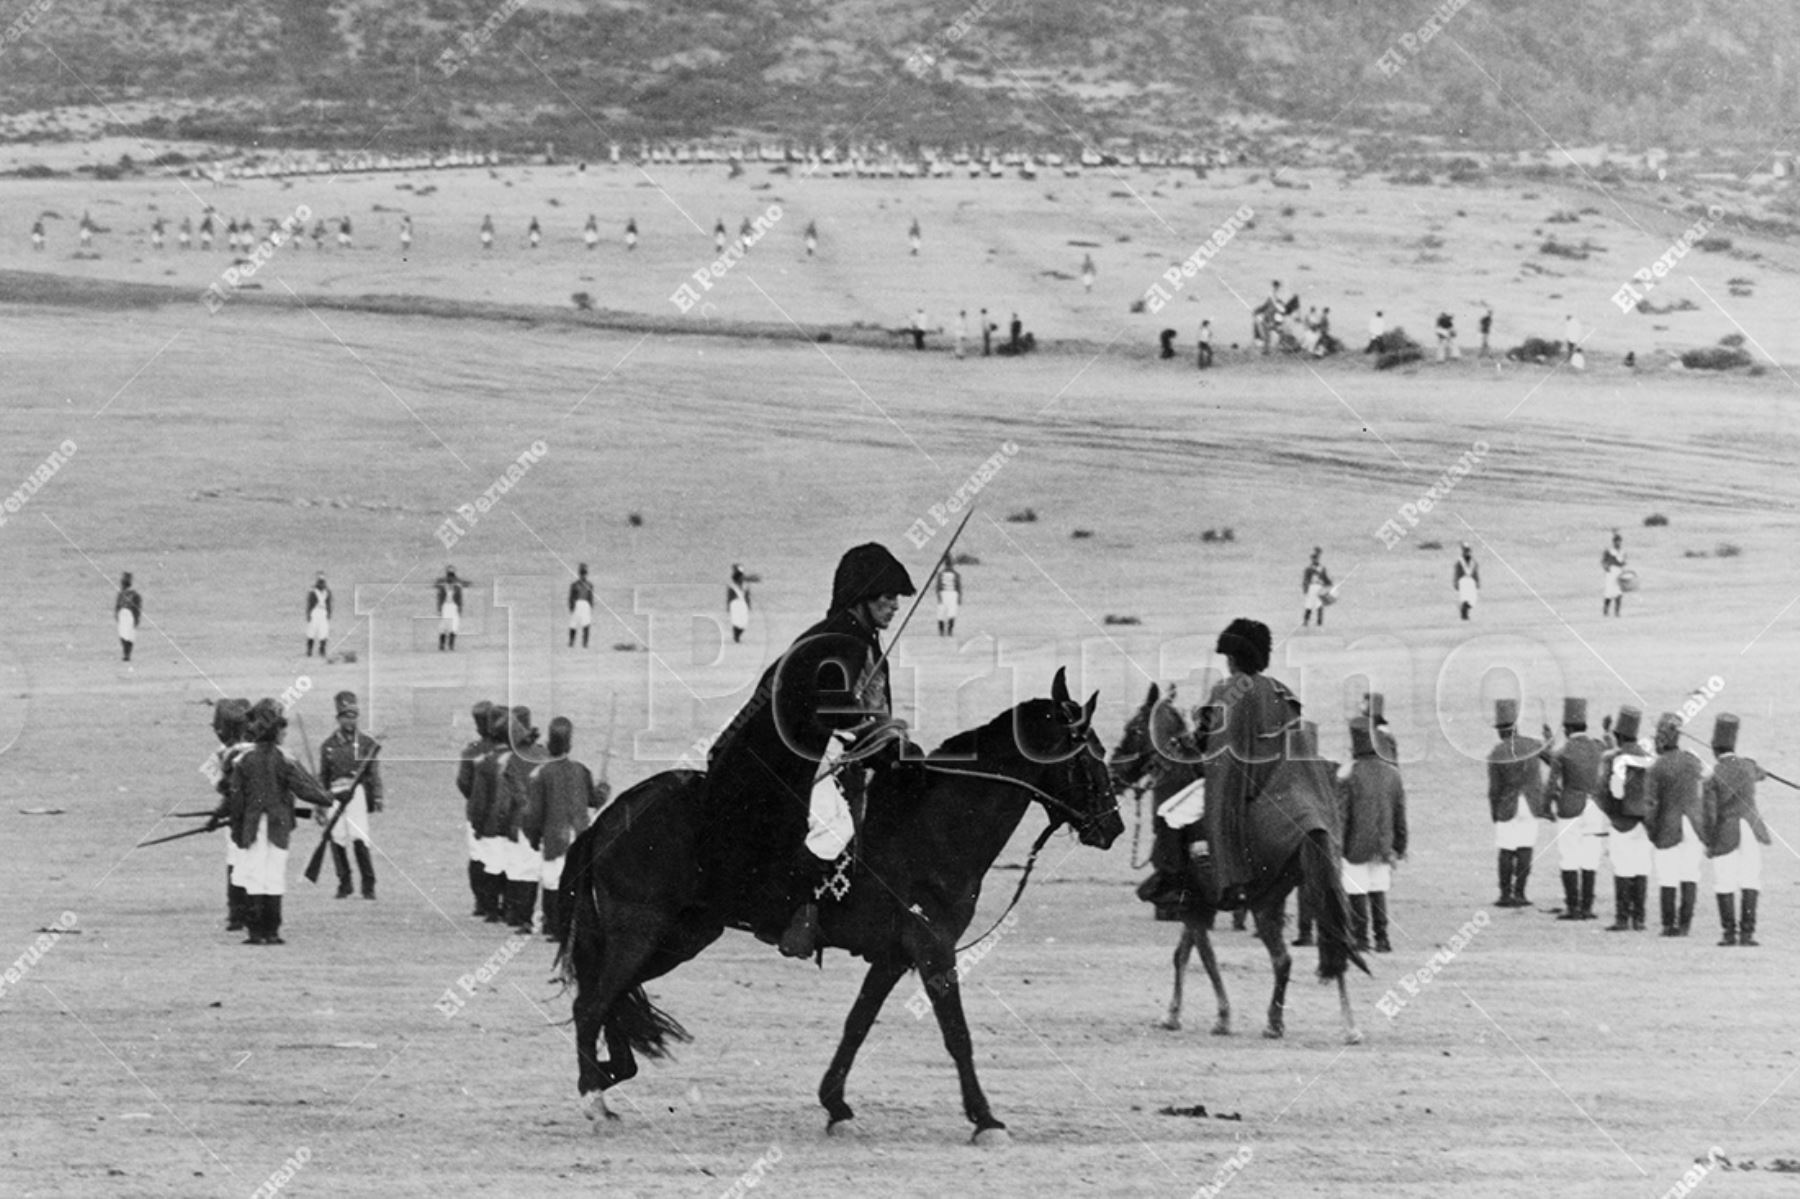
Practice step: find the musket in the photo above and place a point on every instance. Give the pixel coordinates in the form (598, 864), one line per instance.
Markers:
(317, 862)
(190, 815)
(192, 832)
(1767, 772)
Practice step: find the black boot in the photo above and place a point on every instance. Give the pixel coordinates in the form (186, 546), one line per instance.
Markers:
(475, 886)
(1588, 878)
(1728, 918)
(571, 638)
(309, 646)
(496, 894)
(1378, 917)
(1684, 914)
(272, 921)
(340, 860)
(552, 915)
(253, 918)
(442, 637)
(453, 641)
(1668, 911)
(1747, 921)
(1521, 872)
(1571, 881)
(365, 865)
(1640, 901)
(521, 904)
(1304, 919)
(1622, 905)
(1506, 874)
(1359, 921)
(322, 649)
(584, 636)
(233, 918)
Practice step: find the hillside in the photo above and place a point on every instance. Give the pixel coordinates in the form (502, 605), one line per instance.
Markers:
(395, 74)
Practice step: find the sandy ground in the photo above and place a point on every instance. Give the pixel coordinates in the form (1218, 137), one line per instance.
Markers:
(223, 459)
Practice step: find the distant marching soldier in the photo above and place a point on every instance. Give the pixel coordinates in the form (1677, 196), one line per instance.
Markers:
(521, 866)
(1734, 833)
(483, 796)
(343, 236)
(128, 610)
(949, 599)
(744, 231)
(1465, 580)
(533, 234)
(270, 792)
(590, 232)
(405, 234)
(562, 794)
(487, 232)
(1515, 801)
(1573, 795)
(914, 237)
(37, 234)
(737, 603)
(206, 231)
(719, 236)
(472, 755)
(1088, 272)
(341, 755)
(1315, 581)
(581, 607)
(87, 230)
(1612, 561)
(156, 233)
(318, 616)
(1204, 350)
(1623, 801)
(1372, 805)
(812, 239)
(228, 726)
(988, 329)
(318, 234)
(185, 235)
(1672, 793)
(231, 235)
(449, 608)
(631, 233)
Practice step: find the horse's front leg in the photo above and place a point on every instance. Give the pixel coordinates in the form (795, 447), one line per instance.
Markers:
(938, 968)
(1203, 939)
(1352, 1034)
(1184, 949)
(877, 985)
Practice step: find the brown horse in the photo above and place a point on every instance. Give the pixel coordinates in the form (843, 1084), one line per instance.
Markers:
(1293, 845)
(633, 886)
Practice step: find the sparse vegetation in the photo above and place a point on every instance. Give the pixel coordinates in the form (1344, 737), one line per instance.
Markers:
(1715, 358)
(1727, 549)
(1656, 520)
(1110, 618)
(1713, 244)
(1024, 516)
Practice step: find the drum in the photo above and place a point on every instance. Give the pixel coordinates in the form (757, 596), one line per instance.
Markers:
(1628, 580)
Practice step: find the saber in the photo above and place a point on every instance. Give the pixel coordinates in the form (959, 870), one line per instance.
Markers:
(920, 597)
(192, 832)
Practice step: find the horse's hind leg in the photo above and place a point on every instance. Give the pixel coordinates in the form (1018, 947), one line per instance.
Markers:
(1269, 921)
(1352, 1034)
(1183, 949)
(1209, 959)
(614, 970)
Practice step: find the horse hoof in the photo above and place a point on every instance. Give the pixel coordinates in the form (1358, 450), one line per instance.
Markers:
(595, 1107)
(1353, 1037)
(846, 1129)
(1274, 1032)
(993, 1138)
(1170, 1024)
(1222, 1029)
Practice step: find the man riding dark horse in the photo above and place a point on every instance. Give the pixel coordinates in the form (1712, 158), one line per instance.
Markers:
(1247, 719)
(779, 777)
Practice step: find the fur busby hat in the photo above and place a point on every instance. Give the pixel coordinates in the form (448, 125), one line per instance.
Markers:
(523, 732)
(867, 572)
(228, 719)
(562, 735)
(264, 722)
(1506, 713)
(345, 703)
(1725, 731)
(1574, 712)
(1668, 731)
(1248, 643)
(1625, 728)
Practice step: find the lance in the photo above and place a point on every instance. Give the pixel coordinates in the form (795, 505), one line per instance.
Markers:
(920, 597)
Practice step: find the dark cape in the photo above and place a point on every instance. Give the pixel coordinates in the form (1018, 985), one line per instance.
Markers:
(1249, 716)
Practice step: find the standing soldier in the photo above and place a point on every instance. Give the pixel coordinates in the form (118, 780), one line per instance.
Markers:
(472, 756)
(1486, 326)
(1372, 804)
(561, 795)
(1612, 561)
(37, 234)
(128, 609)
(812, 239)
(228, 726)
(1627, 845)
(631, 233)
(1576, 781)
(206, 230)
(405, 234)
(533, 234)
(737, 603)
(581, 607)
(156, 233)
(341, 756)
(521, 865)
(744, 232)
(949, 599)
(343, 233)
(962, 329)
(318, 616)
(1315, 583)
(231, 235)
(1087, 272)
(1734, 833)
(1465, 580)
(1513, 776)
(449, 608)
(590, 232)
(988, 328)
(913, 236)
(484, 796)
(185, 235)
(719, 236)
(87, 230)
(1672, 794)
(1204, 354)
(267, 791)
(487, 232)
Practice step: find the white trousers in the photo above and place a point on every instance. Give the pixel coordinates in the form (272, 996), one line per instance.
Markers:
(263, 868)
(1578, 845)
(581, 616)
(1629, 852)
(1680, 864)
(353, 825)
(1368, 878)
(1741, 869)
(1518, 833)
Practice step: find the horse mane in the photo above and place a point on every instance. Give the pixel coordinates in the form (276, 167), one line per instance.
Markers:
(998, 737)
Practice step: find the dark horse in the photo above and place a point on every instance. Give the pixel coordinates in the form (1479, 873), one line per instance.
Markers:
(1293, 847)
(634, 888)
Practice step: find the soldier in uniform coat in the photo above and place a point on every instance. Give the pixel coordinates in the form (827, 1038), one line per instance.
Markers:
(483, 795)
(1572, 796)
(520, 865)
(472, 755)
(581, 607)
(269, 792)
(1515, 802)
(1672, 794)
(341, 756)
(449, 608)
(1627, 845)
(1465, 579)
(1315, 581)
(775, 812)
(1734, 833)
(318, 616)
(1612, 563)
(1372, 805)
(561, 797)
(228, 726)
(128, 609)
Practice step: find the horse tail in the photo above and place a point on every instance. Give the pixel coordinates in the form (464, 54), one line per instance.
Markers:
(1324, 890)
(575, 895)
(645, 1027)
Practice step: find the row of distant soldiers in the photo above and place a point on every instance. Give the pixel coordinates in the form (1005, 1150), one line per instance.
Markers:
(524, 805)
(1660, 807)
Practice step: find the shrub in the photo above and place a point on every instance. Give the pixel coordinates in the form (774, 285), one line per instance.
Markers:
(1024, 516)
(1715, 358)
(1536, 349)
(1732, 339)
(1714, 244)
(1727, 549)
(1655, 520)
(1560, 249)
(1082, 534)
